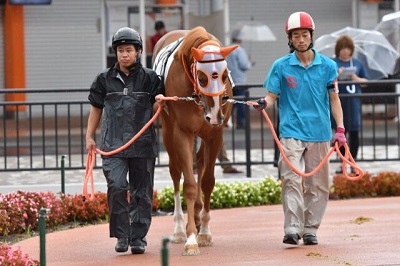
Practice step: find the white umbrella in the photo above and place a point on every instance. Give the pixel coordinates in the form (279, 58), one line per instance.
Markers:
(252, 31)
(390, 28)
(371, 47)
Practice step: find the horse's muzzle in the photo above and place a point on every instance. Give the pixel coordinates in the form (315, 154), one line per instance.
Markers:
(216, 121)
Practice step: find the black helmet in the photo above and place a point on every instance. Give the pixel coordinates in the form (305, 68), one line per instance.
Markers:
(127, 35)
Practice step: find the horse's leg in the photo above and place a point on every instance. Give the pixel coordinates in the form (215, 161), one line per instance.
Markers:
(211, 150)
(185, 143)
(198, 205)
(180, 150)
(179, 235)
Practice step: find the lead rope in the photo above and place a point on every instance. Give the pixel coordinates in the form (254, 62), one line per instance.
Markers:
(347, 158)
(91, 157)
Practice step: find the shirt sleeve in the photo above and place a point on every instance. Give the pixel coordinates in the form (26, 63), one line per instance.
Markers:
(273, 80)
(332, 76)
(157, 86)
(97, 92)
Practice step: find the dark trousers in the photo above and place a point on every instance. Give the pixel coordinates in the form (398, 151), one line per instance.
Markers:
(239, 115)
(130, 219)
(354, 143)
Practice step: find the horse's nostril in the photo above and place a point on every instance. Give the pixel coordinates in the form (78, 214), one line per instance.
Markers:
(208, 118)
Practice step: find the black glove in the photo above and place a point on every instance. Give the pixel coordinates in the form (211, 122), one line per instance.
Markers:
(262, 104)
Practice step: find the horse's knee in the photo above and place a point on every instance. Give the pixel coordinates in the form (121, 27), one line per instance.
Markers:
(189, 191)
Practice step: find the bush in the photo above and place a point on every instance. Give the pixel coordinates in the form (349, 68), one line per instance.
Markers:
(386, 184)
(20, 211)
(228, 195)
(383, 185)
(88, 211)
(16, 257)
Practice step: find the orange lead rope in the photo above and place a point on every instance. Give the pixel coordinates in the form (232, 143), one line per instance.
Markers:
(91, 157)
(347, 158)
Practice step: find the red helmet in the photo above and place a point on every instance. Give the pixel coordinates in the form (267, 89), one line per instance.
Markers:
(299, 20)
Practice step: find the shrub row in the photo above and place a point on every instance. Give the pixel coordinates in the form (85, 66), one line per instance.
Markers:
(228, 195)
(385, 184)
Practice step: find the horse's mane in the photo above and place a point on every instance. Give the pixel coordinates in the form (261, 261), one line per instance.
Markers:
(193, 38)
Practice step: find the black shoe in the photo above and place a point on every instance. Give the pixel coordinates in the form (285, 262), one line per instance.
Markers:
(231, 170)
(310, 239)
(292, 239)
(122, 245)
(138, 249)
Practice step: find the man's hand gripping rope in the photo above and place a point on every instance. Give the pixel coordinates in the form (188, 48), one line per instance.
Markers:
(339, 140)
(91, 157)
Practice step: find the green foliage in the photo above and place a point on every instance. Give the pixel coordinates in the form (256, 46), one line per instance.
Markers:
(166, 198)
(229, 195)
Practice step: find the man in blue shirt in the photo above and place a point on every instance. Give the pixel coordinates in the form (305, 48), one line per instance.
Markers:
(304, 82)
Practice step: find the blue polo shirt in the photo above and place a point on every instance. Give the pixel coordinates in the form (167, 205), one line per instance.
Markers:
(304, 108)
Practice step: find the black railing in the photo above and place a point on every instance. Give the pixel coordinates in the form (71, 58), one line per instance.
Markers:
(34, 135)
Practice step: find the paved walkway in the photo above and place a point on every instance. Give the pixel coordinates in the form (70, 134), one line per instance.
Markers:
(246, 236)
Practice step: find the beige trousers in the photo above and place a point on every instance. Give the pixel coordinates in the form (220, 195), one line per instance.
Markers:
(304, 199)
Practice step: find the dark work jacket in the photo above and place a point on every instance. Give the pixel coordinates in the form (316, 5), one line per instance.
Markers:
(127, 107)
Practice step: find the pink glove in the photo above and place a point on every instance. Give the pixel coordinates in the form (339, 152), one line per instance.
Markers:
(339, 136)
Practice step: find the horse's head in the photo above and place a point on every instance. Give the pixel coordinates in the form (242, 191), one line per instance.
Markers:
(211, 77)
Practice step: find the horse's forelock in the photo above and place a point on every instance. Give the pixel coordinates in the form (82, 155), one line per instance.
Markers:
(194, 38)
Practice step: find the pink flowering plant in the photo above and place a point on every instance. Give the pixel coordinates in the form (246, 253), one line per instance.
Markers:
(19, 214)
(15, 257)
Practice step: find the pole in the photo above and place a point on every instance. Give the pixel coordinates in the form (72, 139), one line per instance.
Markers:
(42, 232)
(247, 135)
(164, 251)
(142, 19)
(63, 174)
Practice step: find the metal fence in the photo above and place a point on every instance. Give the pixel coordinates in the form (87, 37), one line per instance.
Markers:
(34, 135)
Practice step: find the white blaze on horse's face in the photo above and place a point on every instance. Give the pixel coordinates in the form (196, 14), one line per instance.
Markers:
(213, 114)
(210, 73)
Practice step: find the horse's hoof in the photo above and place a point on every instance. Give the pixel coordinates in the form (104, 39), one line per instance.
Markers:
(179, 238)
(204, 240)
(191, 250)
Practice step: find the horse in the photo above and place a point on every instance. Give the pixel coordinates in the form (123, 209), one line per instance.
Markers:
(192, 63)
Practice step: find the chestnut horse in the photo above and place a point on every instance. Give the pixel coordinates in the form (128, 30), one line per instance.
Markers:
(194, 69)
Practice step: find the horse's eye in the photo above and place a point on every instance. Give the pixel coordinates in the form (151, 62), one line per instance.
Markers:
(203, 79)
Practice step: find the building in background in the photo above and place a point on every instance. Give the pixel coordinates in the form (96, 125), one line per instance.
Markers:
(66, 43)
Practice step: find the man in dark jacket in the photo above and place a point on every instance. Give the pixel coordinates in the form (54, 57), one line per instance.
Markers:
(123, 96)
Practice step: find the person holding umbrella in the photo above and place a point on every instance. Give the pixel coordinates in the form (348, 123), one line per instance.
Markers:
(350, 68)
(305, 83)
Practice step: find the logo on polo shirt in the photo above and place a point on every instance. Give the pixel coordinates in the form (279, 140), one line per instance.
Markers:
(291, 82)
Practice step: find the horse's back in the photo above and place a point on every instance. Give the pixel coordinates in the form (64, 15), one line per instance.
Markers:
(168, 38)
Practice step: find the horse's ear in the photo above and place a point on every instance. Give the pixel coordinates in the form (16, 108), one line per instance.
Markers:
(197, 54)
(225, 51)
